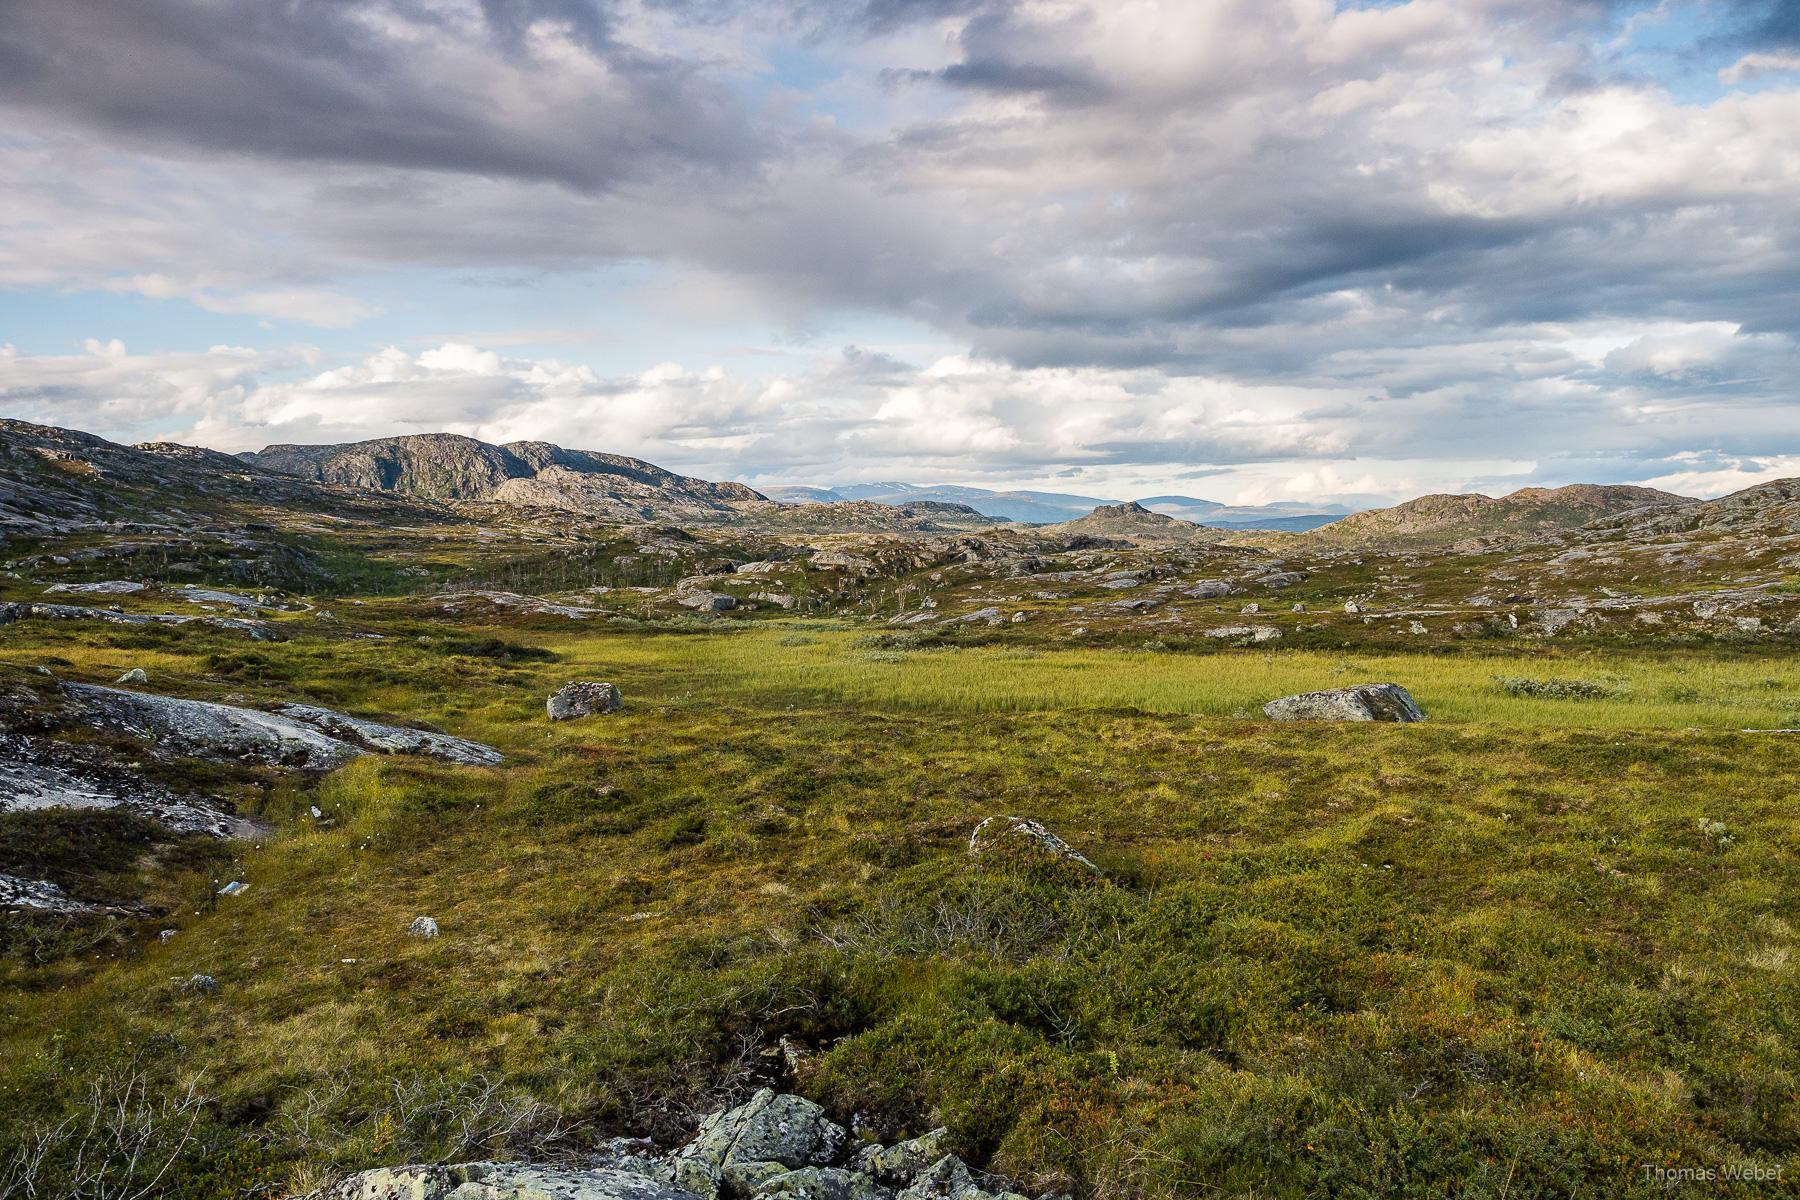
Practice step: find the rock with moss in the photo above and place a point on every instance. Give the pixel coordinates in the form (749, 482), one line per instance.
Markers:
(769, 1127)
(902, 1162)
(950, 1179)
(500, 1181)
(583, 698)
(1364, 702)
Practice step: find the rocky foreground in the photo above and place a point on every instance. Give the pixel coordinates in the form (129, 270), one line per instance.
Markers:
(771, 1146)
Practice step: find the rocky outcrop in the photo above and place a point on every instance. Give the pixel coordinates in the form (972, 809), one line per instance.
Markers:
(301, 736)
(256, 631)
(203, 729)
(392, 739)
(1364, 702)
(445, 466)
(39, 773)
(583, 698)
(771, 1146)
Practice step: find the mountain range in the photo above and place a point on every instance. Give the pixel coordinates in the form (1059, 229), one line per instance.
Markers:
(1048, 508)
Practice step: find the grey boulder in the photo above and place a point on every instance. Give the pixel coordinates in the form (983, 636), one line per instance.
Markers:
(767, 1128)
(500, 1181)
(583, 698)
(902, 1162)
(1364, 702)
(949, 1179)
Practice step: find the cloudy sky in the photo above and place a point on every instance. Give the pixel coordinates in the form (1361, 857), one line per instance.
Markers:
(1248, 250)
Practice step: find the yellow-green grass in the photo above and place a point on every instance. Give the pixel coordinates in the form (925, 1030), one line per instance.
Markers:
(1651, 690)
(1514, 955)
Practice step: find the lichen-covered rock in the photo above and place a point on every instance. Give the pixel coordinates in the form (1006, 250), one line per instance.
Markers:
(790, 1130)
(1364, 702)
(822, 1183)
(707, 601)
(949, 1179)
(583, 698)
(40, 895)
(1024, 833)
(392, 739)
(422, 927)
(902, 1162)
(207, 730)
(1210, 589)
(500, 1181)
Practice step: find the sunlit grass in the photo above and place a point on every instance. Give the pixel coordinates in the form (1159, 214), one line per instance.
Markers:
(1664, 691)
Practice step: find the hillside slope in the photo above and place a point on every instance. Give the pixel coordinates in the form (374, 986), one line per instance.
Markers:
(1441, 520)
(447, 466)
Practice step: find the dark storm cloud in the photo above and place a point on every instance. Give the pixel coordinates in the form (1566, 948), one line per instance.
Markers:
(388, 83)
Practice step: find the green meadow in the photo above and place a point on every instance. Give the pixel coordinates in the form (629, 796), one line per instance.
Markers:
(1521, 950)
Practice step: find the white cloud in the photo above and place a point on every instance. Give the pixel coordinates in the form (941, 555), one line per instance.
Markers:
(1753, 65)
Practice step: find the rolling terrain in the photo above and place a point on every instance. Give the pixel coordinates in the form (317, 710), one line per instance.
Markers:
(260, 723)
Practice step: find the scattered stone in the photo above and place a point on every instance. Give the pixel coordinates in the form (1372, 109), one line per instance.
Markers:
(1256, 633)
(1364, 702)
(1281, 579)
(1353, 608)
(234, 888)
(1252, 607)
(708, 601)
(990, 615)
(1022, 831)
(422, 927)
(135, 675)
(771, 1146)
(40, 895)
(200, 985)
(583, 698)
(1209, 589)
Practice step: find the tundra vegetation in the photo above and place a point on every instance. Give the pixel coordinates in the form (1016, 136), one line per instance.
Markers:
(1520, 949)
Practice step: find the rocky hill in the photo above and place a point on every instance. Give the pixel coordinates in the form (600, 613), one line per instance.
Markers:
(62, 481)
(447, 466)
(1443, 520)
(1131, 521)
(1771, 509)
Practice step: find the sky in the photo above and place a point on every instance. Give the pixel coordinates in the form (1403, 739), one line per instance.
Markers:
(1247, 250)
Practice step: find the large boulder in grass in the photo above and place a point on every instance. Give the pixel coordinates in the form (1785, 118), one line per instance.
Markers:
(583, 698)
(767, 1128)
(1364, 702)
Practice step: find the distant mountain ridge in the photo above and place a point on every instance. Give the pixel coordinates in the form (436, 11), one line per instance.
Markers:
(448, 466)
(1052, 508)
